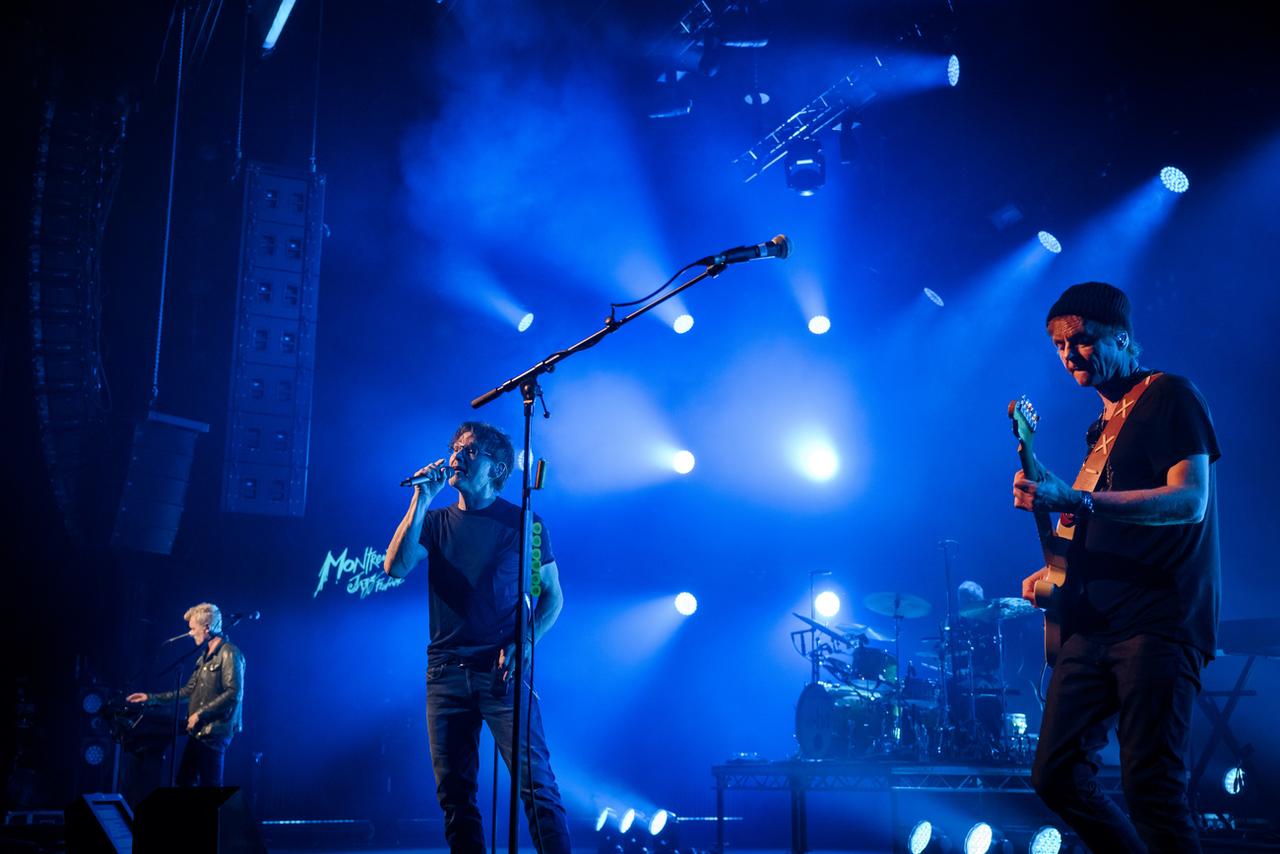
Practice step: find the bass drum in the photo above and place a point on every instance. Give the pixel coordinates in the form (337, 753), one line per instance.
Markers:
(836, 722)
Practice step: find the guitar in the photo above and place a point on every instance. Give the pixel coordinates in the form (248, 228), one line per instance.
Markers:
(1052, 544)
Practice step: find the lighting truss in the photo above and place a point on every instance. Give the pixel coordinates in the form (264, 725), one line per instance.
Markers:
(848, 94)
(688, 31)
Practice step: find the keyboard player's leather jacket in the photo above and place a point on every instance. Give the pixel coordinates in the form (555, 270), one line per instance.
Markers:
(214, 693)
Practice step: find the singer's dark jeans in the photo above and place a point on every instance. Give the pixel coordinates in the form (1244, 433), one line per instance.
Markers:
(458, 700)
(1147, 686)
(201, 764)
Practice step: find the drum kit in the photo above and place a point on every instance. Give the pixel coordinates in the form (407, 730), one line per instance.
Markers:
(949, 702)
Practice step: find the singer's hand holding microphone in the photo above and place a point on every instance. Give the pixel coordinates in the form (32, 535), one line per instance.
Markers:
(430, 479)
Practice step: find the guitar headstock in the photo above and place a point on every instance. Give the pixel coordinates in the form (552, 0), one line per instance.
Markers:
(1024, 418)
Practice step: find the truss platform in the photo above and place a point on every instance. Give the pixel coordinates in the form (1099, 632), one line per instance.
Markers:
(801, 776)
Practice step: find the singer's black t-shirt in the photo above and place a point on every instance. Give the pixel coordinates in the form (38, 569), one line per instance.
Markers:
(473, 574)
(1125, 579)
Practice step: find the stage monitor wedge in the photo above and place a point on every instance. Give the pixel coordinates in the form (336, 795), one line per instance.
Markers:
(197, 820)
(99, 824)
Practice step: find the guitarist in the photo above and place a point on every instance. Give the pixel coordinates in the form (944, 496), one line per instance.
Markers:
(1139, 608)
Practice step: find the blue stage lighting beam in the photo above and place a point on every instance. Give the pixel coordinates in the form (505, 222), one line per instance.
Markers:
(277, 25)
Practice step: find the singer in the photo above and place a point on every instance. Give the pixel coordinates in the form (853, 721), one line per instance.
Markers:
(214, 696)
(472, 553)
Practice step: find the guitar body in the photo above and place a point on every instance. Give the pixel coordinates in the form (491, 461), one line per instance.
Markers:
(1054, 541)
(1048, 599)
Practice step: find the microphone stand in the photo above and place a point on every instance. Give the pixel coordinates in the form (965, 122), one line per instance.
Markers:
(527, 382)
(176, 669)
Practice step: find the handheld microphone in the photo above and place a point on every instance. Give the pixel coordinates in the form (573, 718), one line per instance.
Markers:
(442, 473)
(241, 616)
(779, 247)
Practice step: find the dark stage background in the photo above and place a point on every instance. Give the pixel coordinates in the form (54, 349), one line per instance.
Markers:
(479, 155)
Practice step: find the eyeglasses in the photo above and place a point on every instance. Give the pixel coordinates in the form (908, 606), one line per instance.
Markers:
(469, 451)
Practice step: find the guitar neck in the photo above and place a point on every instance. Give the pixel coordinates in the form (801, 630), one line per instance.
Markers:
(1044, 525)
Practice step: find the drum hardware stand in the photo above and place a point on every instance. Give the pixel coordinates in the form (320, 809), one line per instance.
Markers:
(1003, 746)
(947, 660)
(813, 615)
(897, 681)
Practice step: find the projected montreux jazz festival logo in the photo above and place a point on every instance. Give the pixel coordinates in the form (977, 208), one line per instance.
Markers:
(359, 577)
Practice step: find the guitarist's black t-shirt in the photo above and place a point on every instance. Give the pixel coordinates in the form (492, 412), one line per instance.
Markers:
(473, 571)
(1126, 579)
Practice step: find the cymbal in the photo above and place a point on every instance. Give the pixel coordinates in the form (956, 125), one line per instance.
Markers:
(897, 604)
(999, 609)
(854, 630)
(818, 627)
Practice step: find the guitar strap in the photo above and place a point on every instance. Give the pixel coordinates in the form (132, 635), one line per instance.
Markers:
(1096, 461)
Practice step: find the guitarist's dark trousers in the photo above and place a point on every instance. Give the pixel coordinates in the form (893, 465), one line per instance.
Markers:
(1147, 686)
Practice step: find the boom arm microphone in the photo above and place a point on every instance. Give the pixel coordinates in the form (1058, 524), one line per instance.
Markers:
(779, 247)
(442, 473)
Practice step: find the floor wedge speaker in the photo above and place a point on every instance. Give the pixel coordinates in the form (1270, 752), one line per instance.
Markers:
(199, 820)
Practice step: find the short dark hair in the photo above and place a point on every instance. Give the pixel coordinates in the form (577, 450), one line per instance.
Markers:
(493, 442)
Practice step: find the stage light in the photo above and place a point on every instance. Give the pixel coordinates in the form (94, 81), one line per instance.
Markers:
(953, 70)
(979, 838)
(1174, 179)
(525, 322)
(682, 462)
(827, 604)
(1046, 840)
(628, 819)
(686, 604)
(806, 166)
(92, 702)
(924, 838)
(819, 324)
(820, 462)
(682, 324)
(982, 838)
(660, 819)
(1233, 781)
(1048, 241)
(933, 297)
(603, 819)
(920, 837)
(95, 753)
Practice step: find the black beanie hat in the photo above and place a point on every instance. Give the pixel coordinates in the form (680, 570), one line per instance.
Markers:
(1094, 301)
